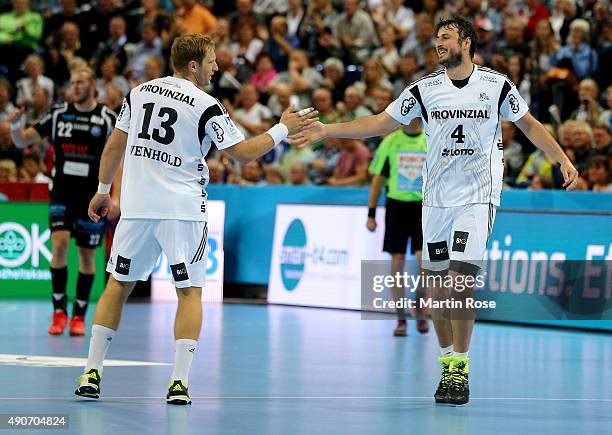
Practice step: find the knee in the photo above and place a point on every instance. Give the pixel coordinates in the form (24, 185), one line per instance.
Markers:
(60, 248)
(189, 294)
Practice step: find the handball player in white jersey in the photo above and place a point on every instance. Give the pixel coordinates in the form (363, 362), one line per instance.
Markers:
(461, 106)
(165, 128)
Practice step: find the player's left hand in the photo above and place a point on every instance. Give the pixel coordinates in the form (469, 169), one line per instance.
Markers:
(99, 206)
(570, 175)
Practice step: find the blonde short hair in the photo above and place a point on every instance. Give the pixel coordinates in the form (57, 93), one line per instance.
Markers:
(188, 47)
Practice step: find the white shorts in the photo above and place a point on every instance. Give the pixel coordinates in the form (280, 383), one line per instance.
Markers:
(138, 243)
(456, 237)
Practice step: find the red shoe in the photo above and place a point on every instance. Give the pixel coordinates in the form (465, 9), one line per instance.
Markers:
(77, 326)
(58, 323)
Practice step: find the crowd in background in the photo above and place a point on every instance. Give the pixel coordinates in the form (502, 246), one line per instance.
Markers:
(346, 58)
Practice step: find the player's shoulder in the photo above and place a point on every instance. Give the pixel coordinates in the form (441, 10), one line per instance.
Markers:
(59, 108)
(492, 76)
(105, 110)
(430, 80)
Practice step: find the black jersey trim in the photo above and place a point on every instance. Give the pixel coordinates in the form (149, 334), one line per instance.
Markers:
(214, 110)
(417, 94)
(502, 95)
(128, 99)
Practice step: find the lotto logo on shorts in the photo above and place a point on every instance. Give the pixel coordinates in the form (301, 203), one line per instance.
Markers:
(438, 251)
(179, 272)
(123, 265)
(460, 240)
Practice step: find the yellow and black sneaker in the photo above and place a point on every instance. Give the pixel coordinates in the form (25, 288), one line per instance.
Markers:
(459, 389)
(89, 384)
(441, 394)
(177, 393)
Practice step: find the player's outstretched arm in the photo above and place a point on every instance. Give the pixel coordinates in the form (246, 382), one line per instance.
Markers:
(111, 159)
(291, 122)
(367, 126)
(22, 137)
(541, 138)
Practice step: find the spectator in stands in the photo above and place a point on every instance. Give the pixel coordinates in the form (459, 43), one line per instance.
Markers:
(513, 151)
(301, 76)
(216, 171)
(422, 38)
(67, 46)
(244, 10)
(114, 45)
(322, 101)
(253, 117)
(600, 20)
(274, 175)
(334, 77)
(599, 175)
(355, 31)
(193, 17)
(6, 107)
(8, 171)
(407, 68)
(69, 11)
(589, 109)
(150, 12)
(486, 40)
(222, 34)
(373, 78)
(397, 16)
(602, 139)
(294, 154)
(564, 134)
(252, 174)
(324, 161)
(264, 74)
(95, 25)
(31, 170)
(387, 55)
(108, 75)
(582, 138)
(270, 7)
(8, 150)
(281, 99)
(605, 56)
(537, 164)
(113, 97)
(247, 46)
(298, 174)
(295, 16)
(153, 69)
(316, 30)
(281, 43)
(352, 168)
(435, 10)
(537, 12)
(606, 116)
(518, 74)
(565, 12)
(33, 68)
(430, 57)
(352, 107)
(20, 32)
(540, 182)
(41, 102)
(150, 45)
(578, 50)
(512, 43)
(496, 12)
(227, 81)
(543, 46)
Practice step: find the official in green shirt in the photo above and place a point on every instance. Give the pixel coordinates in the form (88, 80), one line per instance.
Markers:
(398, 166)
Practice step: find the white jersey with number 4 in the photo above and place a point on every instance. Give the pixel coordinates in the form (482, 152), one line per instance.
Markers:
(464, 162)
(170, 125)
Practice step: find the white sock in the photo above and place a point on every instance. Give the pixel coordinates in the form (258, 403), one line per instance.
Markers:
(185, 348)
(101, 337)
(446, 351)
(461, 354)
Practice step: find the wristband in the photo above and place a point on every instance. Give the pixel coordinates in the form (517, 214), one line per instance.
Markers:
(104, 188)
(372, 212)
(279, 133)
(15, 126)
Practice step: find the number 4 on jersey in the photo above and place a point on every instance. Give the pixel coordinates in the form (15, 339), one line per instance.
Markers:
(458, 135)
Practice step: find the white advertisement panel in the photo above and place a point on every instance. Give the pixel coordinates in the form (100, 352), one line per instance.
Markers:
(161, 280)
(317, 253)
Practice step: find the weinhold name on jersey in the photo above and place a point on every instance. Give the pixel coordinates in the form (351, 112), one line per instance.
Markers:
(153, 154)
(175, 95)
(460, 113)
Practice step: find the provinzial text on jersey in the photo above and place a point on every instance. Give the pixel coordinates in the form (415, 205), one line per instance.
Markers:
(153, 154)
(460, 113)
(175, 95)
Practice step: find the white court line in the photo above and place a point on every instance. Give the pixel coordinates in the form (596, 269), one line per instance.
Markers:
(538, 399)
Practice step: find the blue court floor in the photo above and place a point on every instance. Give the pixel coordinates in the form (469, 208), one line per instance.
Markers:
(288, 370)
